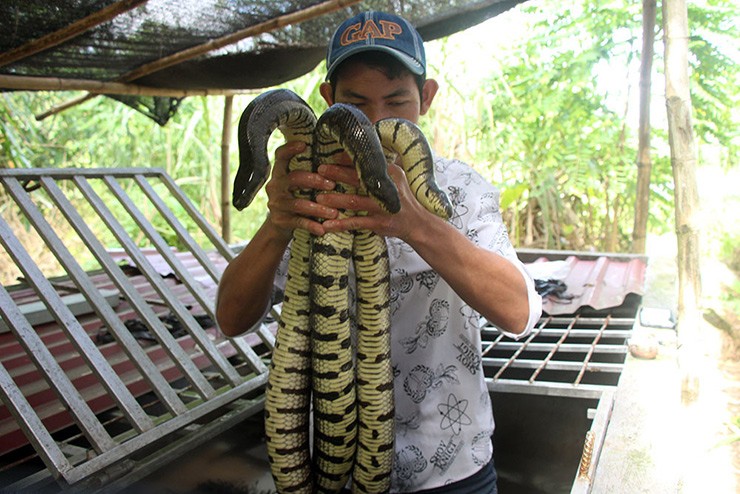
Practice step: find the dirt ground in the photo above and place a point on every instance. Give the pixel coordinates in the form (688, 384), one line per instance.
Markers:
(707, 435)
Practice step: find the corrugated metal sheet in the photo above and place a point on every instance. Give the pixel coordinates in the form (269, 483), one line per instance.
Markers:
(594, 282)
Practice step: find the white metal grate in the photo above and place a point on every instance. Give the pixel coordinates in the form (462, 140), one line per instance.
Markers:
(89, 407)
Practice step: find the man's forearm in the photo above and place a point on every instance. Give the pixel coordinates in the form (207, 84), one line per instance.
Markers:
(487, 281)
(246, 285)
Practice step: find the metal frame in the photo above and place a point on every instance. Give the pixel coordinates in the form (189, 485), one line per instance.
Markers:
(214, 374)
(570, 356)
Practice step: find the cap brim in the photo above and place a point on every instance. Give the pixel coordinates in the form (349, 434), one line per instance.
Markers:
(410, 63)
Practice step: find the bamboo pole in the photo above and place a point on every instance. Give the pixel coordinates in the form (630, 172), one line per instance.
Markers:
(71, 31)
(683, 161)
(644, 164)
(225, 171)
(196, 51)
(27, 83)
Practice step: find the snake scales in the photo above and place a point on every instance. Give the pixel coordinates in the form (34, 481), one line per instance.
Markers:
(314, 363)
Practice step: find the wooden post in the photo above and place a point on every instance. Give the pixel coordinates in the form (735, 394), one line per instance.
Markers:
(683, 161)
(644, 165)
(225, 171)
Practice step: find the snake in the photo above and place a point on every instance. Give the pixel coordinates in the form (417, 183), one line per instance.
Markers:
(315, 367)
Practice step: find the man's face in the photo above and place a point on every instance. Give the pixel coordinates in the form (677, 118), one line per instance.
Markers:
(370, 89)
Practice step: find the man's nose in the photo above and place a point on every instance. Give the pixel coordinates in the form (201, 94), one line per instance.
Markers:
(375, 113)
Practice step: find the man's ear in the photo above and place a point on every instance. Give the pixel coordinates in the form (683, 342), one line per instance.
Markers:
(428, 91)
(327, 92)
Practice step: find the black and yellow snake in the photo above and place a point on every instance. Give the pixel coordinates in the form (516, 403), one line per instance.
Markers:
(314, 364)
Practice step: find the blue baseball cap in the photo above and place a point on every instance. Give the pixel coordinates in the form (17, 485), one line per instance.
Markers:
(377, 31)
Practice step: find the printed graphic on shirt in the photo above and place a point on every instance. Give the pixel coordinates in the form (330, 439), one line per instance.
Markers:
(445, 455)
(441, 166)
(489, 212)
(500, 242)
(428, 279)
(401, 284)
(470, 176)
(406, 424)
(472, 235)
(457, 197)
(409, 462)
(481, 448)
(433, 326)
(422, 379)
(471, 318)
(397, 248)
(469, 355)
(453, 414)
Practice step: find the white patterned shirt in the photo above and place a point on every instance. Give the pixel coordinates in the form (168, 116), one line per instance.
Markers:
(444, 420)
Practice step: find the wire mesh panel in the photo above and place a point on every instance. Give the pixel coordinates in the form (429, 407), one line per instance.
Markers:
(108, 340)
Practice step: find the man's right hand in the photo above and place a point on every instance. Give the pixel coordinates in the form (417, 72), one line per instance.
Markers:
(286, 211)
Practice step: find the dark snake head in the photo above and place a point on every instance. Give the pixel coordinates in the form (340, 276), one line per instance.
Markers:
(253, 162)
(268, 111)
(353, 131)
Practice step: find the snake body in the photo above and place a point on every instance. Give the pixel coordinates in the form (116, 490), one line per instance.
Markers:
(314, 362)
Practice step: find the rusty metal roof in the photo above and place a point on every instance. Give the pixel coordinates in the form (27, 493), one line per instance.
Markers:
(594, 282)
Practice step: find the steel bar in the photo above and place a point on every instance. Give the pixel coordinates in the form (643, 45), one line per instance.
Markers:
(192, 246)
(575, 333)
(246, 351)
(591, 391)
(205, 227)
(108, 378)
(59, 173)
(241, 409)
(168, 342)
(506, 363)
(488, 346)
(178, 308)
(57, 379)
(129, 344)
(182, 273)
(554, 350)
(590, 320)
(591, 352)
(123, 450)
(31, 424)
(555, 365)
(563, 348)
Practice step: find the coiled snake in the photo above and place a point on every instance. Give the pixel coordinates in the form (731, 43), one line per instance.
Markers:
(314, 363)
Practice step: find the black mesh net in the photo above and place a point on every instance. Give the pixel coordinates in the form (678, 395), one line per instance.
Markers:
(159, 28)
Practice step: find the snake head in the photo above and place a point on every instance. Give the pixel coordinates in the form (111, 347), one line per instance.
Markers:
(279, 108)
(349, 128)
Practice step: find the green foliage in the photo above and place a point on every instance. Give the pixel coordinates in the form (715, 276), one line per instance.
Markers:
(546, 122)
(714, 74)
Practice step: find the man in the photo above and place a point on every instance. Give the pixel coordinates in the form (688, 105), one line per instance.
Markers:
(444, 274)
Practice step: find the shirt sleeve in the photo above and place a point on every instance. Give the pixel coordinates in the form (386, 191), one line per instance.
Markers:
(482, 222)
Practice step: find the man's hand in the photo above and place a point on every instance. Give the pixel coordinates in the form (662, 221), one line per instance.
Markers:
(401, 225)
(286, 211)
